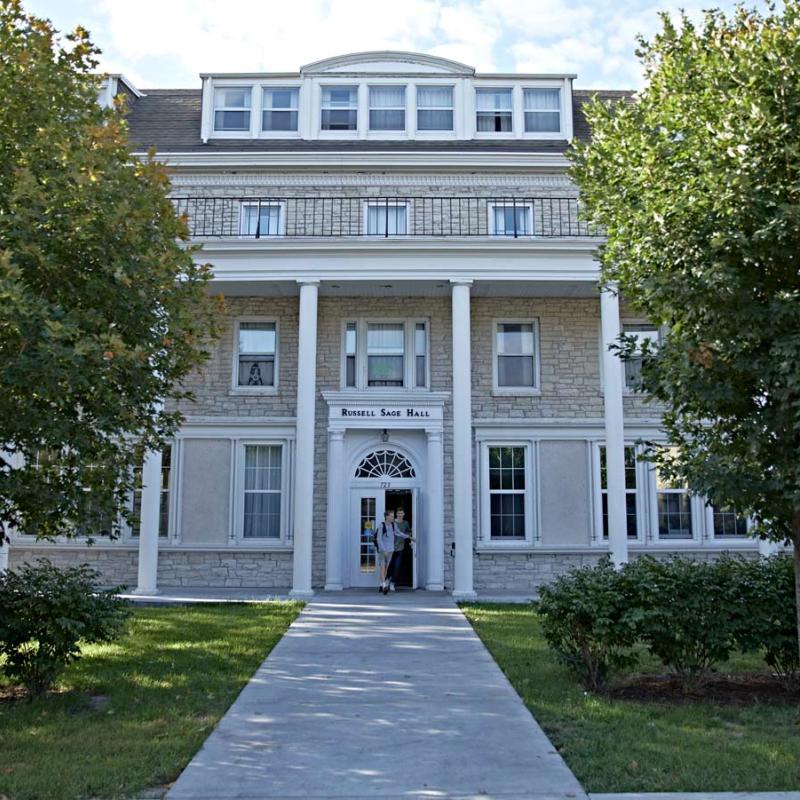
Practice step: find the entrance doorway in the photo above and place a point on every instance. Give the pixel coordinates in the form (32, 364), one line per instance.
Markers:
(367, 507)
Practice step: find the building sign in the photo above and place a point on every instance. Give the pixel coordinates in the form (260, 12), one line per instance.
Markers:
(388, 412)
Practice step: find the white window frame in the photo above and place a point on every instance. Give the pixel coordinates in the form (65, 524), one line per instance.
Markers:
(376, 203)
(696, 511)
(485, 540)
(440, 132)
(513, 90)
(528, 207)
(279, 204)
(724, 540)
(562, 111)
(236, 389)
(222, 133)
(388, 133)
(647, 328)
(642, 483)
(265, 87)
(350, 133)
(409, 354)
(262, 542)
(170, 491)
(534, 390)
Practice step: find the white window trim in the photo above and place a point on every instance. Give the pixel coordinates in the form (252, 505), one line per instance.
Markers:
(409, 354)
(448, 133)
(222, 133)
(490, 208)
(517, 391)
(262, 542)
(254, 390)
(642, 517)
(279, 204)
(514, 89)
(564, 131)
(376, 203)
(261, 87)
(485, 541)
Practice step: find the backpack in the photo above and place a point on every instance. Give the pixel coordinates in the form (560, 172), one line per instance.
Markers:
(375, 535)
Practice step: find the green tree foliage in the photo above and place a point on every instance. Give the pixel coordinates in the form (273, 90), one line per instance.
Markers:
(102, 308)
(697, 182)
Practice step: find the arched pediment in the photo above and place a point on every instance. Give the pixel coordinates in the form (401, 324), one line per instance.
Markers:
(387, 61)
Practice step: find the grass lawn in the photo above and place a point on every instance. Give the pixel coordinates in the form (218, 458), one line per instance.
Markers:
(157, 693)
(625, 746)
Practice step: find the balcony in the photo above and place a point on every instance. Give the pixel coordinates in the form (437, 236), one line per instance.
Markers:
(397, 217)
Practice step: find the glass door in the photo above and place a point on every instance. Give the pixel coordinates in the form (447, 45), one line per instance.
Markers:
(366, 514)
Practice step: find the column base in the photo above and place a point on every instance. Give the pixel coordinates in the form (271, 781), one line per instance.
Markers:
(333, 587)
(434, 587)
(141, 591)
(465, 597)
(301, 594)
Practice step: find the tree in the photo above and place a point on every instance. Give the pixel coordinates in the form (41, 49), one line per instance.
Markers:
(102, 308)
(697, 182)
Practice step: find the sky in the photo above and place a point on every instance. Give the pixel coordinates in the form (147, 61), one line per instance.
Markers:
(167, 43)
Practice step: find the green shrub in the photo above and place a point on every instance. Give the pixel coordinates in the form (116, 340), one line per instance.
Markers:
(766, 612)
(46, 613)
(587, 622)
(684, 617)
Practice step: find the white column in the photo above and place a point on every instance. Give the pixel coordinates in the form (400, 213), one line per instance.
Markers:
(462, 442)
(434, 535)
(333, 533)
(767, 548)
(304, 442)
(148, 524)
(615, 434)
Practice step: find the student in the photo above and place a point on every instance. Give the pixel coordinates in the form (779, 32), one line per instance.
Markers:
(402, 534)
(384, 547)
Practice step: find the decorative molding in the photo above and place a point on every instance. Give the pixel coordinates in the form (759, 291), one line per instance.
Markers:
(443, 66)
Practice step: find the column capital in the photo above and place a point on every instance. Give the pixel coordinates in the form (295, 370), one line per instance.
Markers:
(308, 282)
(336, 434)
(434, 434)
(610, 287)
(461, 282)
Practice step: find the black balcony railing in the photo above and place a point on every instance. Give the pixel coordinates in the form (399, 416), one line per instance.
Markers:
(383, 217)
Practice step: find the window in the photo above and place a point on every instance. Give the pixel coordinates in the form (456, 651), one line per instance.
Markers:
(434, 108)
(387, 218)
(232, 108)
(385, 354)
(387, 108)
(262, 491)
(510, 220)
(674, 510)
(256, 349)
(351, 352)
(633, 366)
(542, 110)
(279, 109)
(261, 219)
(630, 491)
(163, 508)
(515, 355)
(493, 110)
(388, 354)
(727, 523)
(339, 108)
(506, 492)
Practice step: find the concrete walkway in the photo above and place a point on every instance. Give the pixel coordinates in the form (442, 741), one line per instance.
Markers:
(379, 697)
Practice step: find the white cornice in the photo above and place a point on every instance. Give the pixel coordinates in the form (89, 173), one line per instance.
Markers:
(533, 182)
(335, 159)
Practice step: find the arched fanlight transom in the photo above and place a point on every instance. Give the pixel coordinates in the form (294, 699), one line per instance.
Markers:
(385, 464)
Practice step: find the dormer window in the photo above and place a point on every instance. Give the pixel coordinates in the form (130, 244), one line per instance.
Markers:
(387, 108)
(279, 109)
(339, 108)
(232, 108)
(434, 108)
(542, 110)
(493, 110)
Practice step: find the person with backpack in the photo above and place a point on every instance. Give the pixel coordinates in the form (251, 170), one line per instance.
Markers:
(402, 534)
(384, 547)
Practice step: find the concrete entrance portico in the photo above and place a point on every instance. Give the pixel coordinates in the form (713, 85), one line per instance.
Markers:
(367, 696)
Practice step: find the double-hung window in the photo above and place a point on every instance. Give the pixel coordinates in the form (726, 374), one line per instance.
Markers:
(507, 492)
(339, 108)
(493, 109)
(727, 523)
(630, 491)
(263, 480)
(633, 366)
(515, 355)
(163, 506)
(261, 219)
(385, 354)
(434, 108)
(386, 218)
(542, 110)
(255, 365)
(232, 108)
(387, 108)
(279, 109)
(510, 219)
(673, 509)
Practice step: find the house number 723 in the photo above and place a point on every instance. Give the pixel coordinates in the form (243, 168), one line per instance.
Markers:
(386, 484)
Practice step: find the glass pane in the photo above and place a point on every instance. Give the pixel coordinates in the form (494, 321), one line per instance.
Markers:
(394, 120)
(256, 337)
(232, 120)
(280, 98)
(511, 221)
(421, 378)
(630, 515)
(234, 97)
(542, 121)
(350, 339)
(385, 370)
(674, 516)
(499, 122)
(262, 468)
(385, 338)
(258, 371)
(339, 97)
(542, 99)
(515, 371)
(261, 220)
(432, 120)
(515, 338)
(493, 99)
(633, 373)
(507, 516)
(279, 120)
(434, 96)
(389, 219)
(506, 468)
(350, 370)
(728, 523)
(262, 515)
(335, 120)
(387, 96)
(366, 529)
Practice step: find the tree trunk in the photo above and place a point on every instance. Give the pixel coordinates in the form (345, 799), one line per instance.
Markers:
(796, 543)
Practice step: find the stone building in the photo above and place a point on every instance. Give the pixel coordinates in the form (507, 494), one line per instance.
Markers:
(413, 320)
